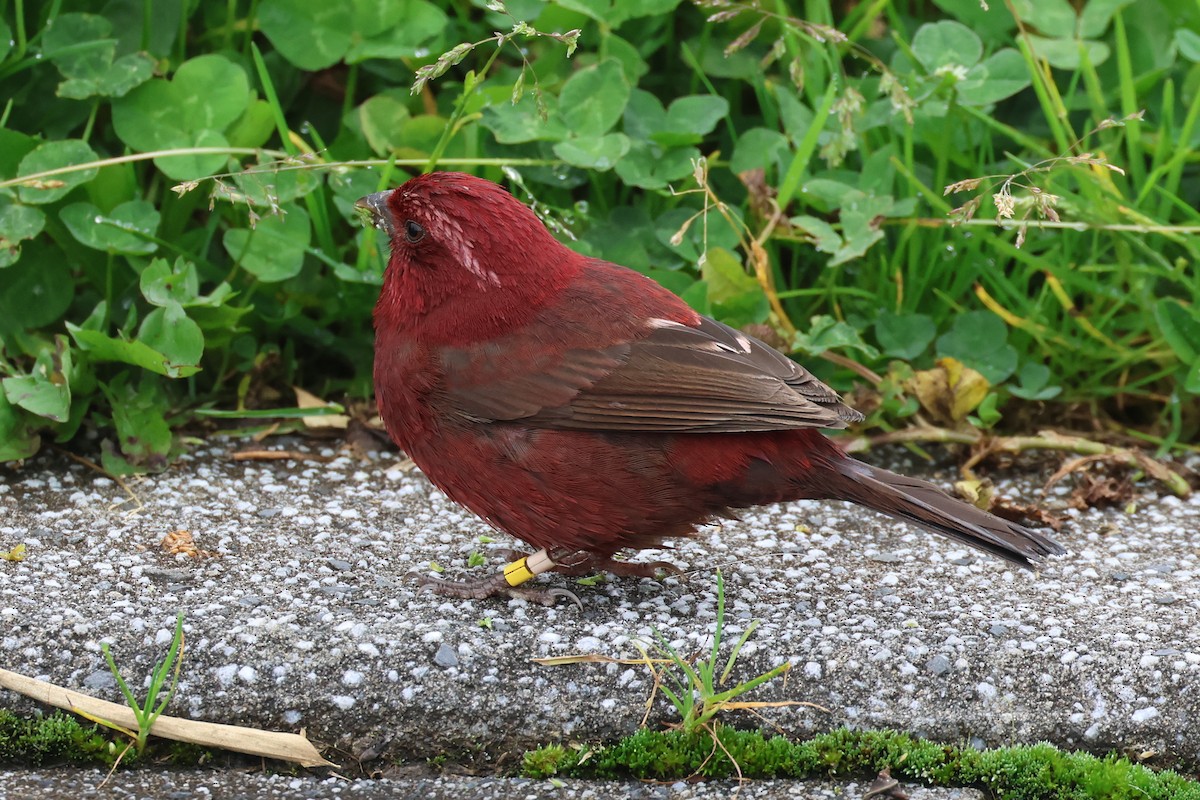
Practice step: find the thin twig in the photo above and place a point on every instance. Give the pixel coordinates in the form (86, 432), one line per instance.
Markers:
(278, 455)
(1044, 440)
(87, 462)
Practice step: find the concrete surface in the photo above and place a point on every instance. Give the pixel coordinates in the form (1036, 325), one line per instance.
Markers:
(150, 785)
(304, 618)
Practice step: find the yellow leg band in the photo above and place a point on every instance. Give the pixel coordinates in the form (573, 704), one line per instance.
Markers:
(518, 572)
(525, 568)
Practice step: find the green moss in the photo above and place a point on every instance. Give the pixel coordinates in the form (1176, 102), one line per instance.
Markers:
(56, 738)
(1014, 773)
(62, 738)
(548, 760)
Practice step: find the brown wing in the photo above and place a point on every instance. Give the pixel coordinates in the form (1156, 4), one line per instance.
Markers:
(710, 378)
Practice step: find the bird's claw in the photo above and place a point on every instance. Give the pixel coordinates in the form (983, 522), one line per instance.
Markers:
(554, 594)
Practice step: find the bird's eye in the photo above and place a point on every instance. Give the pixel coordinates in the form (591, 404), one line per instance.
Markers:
(413, 231)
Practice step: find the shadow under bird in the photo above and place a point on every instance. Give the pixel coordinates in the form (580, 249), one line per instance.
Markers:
(581, 407)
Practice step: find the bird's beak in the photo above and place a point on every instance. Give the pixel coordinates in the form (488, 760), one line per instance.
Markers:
(373, 209)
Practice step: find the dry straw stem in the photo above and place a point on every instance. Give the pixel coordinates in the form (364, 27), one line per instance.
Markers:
(286, 163)
(985, 445)
(752, 245)
(651, 664)
(1080, 226)
(293, 747)
(278, 455)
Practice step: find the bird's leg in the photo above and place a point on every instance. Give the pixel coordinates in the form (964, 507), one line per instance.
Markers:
(505, 583)
(584, 562)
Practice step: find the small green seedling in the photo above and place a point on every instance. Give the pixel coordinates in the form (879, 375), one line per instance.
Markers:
(156, 700)
(693, 685)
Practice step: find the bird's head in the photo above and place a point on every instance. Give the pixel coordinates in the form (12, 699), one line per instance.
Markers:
(454, 236)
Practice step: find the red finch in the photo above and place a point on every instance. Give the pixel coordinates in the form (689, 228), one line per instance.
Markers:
(583, 408)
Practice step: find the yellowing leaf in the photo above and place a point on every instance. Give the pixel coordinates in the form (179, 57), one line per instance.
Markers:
(979, 493)
(16, 554)
(950, 391)
(309, 400)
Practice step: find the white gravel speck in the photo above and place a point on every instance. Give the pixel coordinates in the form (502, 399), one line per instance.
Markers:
(1143, 714)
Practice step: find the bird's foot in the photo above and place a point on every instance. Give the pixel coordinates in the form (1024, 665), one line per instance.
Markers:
(506, 583)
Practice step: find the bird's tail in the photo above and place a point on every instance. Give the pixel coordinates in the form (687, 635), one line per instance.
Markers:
(924, 504)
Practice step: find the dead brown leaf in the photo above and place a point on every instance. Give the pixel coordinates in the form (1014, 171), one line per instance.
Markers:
(1025, 513)
(761, 196)
(182, 543)
(1094, 492)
